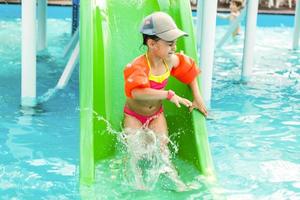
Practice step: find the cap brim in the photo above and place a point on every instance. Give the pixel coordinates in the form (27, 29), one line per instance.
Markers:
(171, 35)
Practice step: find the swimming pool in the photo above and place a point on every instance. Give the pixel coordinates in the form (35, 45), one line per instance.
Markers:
(254, 136)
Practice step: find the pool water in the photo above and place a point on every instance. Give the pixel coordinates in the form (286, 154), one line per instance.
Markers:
(39, 154)
(254, 134)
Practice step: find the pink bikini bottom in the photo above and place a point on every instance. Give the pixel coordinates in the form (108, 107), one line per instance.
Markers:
(143, 119)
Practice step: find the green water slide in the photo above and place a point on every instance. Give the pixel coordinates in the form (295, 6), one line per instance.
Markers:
(109, 39)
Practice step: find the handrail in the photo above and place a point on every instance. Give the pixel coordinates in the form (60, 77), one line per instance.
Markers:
(69, 68)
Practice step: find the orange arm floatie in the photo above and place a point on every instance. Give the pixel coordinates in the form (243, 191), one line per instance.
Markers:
(186, 71)
(135, 76)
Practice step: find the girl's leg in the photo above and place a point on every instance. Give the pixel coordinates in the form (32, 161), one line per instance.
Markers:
(159, 126)
(131, 125)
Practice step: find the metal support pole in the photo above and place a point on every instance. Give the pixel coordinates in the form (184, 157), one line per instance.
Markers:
(28, 79)
(42, 25)
(207, 47)
(296, 26)
(249, 43)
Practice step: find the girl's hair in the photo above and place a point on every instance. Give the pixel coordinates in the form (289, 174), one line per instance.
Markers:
(238, 3)
(147, 37)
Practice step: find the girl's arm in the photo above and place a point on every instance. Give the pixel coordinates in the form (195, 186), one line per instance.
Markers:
(152, 94)
(187, 65)
(149, 94)
(195, 89)
(198, 101)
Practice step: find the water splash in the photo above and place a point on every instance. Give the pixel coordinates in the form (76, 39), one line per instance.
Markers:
(147, 158)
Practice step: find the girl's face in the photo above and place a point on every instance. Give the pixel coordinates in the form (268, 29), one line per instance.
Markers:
(164, 49)
(233, 7)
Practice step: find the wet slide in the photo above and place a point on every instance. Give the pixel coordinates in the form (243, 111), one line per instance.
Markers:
(109, 39)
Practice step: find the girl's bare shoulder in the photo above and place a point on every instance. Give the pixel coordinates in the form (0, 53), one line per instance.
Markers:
(173, 61)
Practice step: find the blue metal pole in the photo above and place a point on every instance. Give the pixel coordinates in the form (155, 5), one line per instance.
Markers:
(75, 15)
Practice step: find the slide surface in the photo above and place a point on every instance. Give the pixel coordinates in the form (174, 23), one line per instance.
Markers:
(109, 39)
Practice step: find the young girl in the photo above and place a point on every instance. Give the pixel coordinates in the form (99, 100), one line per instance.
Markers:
(147, 76)
(235, 10)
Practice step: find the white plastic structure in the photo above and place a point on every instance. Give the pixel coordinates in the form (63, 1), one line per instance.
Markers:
(249, 43)
(296, 26)
(207, 46)
(69, 68)
(199, 21)
(42, 24)
(28, 77)
(71, 44)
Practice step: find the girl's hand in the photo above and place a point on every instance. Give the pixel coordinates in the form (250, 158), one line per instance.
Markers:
(177, 100)
(199, 104)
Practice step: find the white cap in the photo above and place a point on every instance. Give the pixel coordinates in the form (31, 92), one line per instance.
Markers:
(161, 25)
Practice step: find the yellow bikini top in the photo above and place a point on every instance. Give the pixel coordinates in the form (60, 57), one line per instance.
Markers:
(159, 78)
